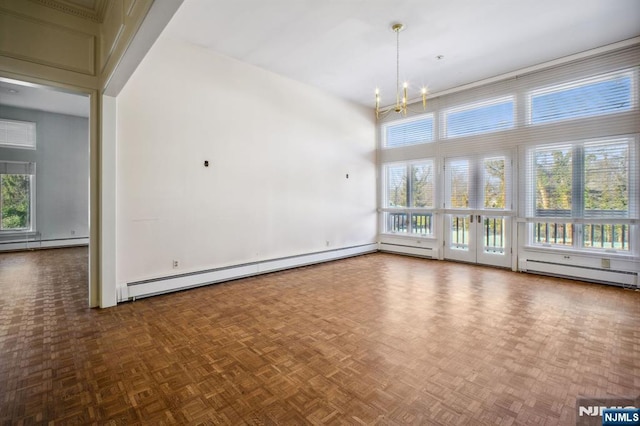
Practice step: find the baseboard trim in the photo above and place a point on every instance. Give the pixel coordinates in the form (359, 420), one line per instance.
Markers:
(425, 252)
(42, 244)
(156, 286)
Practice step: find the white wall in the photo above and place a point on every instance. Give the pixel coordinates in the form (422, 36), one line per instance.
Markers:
(279, 152)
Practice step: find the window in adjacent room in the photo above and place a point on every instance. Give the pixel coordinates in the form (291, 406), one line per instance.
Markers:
(17, 134)
(16, 196)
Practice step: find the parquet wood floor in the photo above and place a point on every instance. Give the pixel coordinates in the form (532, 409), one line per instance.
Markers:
(376, 339)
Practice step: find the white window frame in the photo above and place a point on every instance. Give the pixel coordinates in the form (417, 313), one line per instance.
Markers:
(576, 218)
(409, 211)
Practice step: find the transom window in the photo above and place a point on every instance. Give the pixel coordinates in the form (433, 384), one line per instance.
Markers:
(408, 132)
(17, 134)
(481, 117)
(604, 94)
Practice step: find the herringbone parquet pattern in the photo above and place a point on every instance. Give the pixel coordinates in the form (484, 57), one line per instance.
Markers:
(376, 339)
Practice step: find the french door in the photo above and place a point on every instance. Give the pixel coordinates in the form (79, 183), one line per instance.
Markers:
(478, 209)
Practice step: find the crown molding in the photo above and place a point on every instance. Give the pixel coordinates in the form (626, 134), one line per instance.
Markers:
(95, 14)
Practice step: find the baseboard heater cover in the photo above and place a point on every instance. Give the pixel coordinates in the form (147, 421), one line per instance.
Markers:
(40, 244)
(152, 287)
(428, 252)
(599, 275)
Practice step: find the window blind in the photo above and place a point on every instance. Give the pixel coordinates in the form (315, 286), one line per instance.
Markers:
(409, 132)
(584, 179)
(478, 182)
(478, 118)
(17, 168)
(17, 134)
(599, 95)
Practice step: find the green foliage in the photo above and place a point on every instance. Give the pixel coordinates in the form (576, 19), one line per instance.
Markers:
(553, 179)
(460, 184)
(422, 185)
(15, 201)
(606, 178)
(397, 185)
(604, 175)
(421, 192)
(495, 189)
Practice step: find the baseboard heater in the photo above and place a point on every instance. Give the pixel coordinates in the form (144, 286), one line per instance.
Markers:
(33, 244)
(598, 275)
(152, 287)
(427, 252)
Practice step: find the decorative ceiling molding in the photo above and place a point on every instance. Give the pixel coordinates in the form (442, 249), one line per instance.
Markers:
(92, 10)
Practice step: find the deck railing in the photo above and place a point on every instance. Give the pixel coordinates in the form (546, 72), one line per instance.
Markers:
(415, 223)
(594, 235)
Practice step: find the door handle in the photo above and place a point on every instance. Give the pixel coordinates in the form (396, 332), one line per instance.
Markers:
(471, 218)
(479, 219)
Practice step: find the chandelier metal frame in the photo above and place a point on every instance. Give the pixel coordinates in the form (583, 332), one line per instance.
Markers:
(400, 106)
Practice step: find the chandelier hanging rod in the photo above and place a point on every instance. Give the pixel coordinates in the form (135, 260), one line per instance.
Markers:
(401, 101)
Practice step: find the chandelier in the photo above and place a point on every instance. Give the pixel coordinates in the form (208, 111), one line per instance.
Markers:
(401, 96)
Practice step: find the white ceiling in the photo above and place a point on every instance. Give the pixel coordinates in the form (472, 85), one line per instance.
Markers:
(347, 47)
(42, 99)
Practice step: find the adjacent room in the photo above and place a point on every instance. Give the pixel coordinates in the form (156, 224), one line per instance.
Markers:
(302, 212)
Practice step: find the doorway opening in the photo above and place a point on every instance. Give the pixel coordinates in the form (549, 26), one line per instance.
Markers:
(44, 168)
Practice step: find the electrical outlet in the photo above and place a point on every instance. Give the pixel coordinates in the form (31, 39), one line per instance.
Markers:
(605, 263)
(176, 264)
(73, 232)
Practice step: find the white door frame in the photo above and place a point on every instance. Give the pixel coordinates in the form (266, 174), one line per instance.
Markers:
(470, 242)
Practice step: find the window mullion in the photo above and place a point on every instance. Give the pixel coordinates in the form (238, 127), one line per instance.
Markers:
(409, 196)
(409, 185)
(1, 201)
(577, 186)
(577, 193)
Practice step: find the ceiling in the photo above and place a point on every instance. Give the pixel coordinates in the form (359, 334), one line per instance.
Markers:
(346, 47)
(43, 99)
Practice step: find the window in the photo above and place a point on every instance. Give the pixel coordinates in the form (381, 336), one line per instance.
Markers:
(478, 118)
(16, 196)
(584, 194)
(17, 134)
(409, 197)
(478, 182)
(605, 94)
(408, 132)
